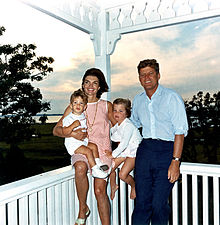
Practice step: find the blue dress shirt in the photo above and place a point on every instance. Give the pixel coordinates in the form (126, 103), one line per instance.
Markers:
(161, 117)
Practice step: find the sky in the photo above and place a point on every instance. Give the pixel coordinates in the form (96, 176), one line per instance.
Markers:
(188, 54)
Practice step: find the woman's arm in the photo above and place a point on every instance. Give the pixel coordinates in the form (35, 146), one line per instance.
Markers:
(67, 130)
(110, 113)
(58, 129)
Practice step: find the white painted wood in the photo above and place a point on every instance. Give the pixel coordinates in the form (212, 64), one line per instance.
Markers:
(47, 201)
(42, 207)
(216, 200)
(139, 9)
(3, 215)
(58, 204)
(195, 199)
(23, 211)
(205, 201)
(130, 201)
(33, 211)
(166, 9)
(51, 206)
(123, 198)
(72, 200)
(175, 208)
(184, 199)
(12, 213)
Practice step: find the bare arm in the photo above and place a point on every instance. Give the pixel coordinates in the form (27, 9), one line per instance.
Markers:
(69, 129)
(174, 168)
(58, 130)
(110, 114)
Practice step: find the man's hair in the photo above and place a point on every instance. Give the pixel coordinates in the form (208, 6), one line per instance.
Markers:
(126, 103)
(79, 93)
(148, 62)
(102, 82)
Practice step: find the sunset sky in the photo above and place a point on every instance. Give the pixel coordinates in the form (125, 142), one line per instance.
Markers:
(188, 54)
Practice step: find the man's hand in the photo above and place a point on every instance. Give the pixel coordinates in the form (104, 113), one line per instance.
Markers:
(174, 171)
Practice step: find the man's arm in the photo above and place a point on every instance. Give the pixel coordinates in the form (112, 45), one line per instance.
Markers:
(174, 168)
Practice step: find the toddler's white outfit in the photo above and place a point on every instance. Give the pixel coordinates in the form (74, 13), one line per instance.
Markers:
(128, 136)
(71, 143)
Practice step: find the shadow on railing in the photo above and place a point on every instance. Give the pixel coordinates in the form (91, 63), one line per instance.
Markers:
(50, 198)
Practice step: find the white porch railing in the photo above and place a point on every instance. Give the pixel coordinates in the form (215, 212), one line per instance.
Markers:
(50, 199)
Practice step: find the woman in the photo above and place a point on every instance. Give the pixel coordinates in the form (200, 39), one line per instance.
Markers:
(99, 115)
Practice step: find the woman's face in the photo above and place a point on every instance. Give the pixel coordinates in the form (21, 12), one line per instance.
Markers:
(91, 85)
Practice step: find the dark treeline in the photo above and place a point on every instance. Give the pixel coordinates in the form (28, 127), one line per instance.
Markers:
(202, 145)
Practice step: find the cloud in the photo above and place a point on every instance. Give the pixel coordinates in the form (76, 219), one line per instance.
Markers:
(188, 54)
(188, 58)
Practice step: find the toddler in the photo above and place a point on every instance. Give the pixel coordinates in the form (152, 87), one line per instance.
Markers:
(78, 103)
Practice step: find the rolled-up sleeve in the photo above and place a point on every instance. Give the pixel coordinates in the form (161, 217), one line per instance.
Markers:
(178, 115)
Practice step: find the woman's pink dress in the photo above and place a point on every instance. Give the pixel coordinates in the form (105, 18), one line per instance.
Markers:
(100, 133)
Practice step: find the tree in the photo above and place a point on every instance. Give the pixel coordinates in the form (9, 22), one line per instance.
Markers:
(19, 100)
(204, 122)
(43, 118)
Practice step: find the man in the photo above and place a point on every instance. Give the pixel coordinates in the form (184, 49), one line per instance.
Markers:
(161, 114)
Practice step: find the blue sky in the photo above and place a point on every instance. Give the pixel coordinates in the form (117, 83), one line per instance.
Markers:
(188, 54)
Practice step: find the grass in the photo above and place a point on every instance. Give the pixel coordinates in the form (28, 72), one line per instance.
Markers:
(44, 150)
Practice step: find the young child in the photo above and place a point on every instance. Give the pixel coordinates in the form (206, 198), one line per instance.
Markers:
(78, 103)
(129, 137)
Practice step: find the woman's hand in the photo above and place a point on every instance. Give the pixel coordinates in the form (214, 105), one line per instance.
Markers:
(76, 123)
(79, 134)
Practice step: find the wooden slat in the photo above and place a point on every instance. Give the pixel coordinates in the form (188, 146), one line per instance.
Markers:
(205, 201)
(23, 211)
(195, 199)
(42, 203)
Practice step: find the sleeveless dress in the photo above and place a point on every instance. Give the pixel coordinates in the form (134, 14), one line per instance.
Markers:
(100, 133)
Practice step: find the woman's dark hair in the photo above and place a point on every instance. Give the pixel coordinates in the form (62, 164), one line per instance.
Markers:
(102, 82)
(126, 103)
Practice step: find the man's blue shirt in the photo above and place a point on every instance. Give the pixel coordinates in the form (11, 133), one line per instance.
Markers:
(161, 117)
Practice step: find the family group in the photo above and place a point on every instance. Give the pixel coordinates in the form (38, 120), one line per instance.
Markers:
(149, 134)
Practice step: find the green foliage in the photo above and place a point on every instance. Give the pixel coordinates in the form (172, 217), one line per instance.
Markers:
(203, 113)
(19, 100)
(43, 119)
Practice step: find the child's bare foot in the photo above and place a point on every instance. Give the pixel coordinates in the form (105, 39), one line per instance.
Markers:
(133, 193)
(113, 190)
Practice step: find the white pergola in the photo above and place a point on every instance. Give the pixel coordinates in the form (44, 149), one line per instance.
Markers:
(106, 21)
(50, 198)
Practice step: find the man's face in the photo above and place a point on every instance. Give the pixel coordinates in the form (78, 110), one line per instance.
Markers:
(149, 79)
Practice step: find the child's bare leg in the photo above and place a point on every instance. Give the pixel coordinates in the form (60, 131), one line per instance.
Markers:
(114, 186)
(96, 171)
(94, 149)
(112, 177)
(95, 153)
(84, 150)
(124, 175)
